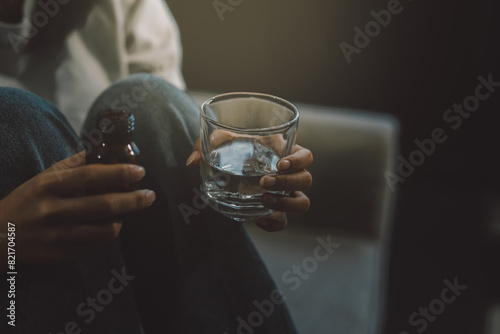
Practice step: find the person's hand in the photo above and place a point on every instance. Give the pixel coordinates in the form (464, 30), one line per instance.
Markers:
(295, 179)
(52, 223)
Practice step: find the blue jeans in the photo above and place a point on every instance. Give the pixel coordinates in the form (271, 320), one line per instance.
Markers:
(177, 266)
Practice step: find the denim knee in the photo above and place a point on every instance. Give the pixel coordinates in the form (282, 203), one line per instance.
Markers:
(24, 110)
(144, 92)
(33, 136)
(19, 107)
(162, 111)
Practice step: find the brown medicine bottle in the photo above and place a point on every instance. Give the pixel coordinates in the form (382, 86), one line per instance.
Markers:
(117, 146)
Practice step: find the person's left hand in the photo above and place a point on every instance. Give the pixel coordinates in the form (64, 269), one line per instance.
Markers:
(295, 180)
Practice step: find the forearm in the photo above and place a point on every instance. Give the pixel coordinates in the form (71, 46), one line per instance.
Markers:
(11, 11)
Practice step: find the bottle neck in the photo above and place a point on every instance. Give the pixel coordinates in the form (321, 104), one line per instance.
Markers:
(117, 127)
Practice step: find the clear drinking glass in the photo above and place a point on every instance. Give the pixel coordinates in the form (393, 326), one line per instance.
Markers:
(243, 136)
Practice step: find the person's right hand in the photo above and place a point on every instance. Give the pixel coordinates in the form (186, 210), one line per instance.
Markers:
(53, 224)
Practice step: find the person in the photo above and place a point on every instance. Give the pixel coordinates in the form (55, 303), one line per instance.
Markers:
(119, 262)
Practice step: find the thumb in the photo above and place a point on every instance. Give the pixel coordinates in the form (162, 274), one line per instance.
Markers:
(194, 158)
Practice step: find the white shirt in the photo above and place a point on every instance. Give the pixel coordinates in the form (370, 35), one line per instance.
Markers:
(118, 38)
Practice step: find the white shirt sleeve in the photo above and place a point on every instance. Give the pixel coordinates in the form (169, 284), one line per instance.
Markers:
(153, 40)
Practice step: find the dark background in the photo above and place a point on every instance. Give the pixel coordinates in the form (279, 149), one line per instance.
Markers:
(424, 61)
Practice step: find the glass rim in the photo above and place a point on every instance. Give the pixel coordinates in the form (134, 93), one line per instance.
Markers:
(262, 96)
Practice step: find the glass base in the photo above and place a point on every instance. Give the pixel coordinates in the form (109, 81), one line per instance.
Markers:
(237, 212)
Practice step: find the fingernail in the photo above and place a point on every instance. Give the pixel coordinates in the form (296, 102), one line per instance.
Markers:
(138, 172)
(269, 199)
(284, 164)
(150, 197)
(191, 158)
(268, 181)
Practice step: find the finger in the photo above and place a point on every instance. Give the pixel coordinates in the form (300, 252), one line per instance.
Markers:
(94, 176)
(216, 139)
(219, 137)
(297, 202)
(68, 241)
(276, 142)
(275, 222)
(90, 237)
(302, 158)
(77, 240)
(71, 162)
(91, 208)
(194, 158)
(196, 146)
(301, 180)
